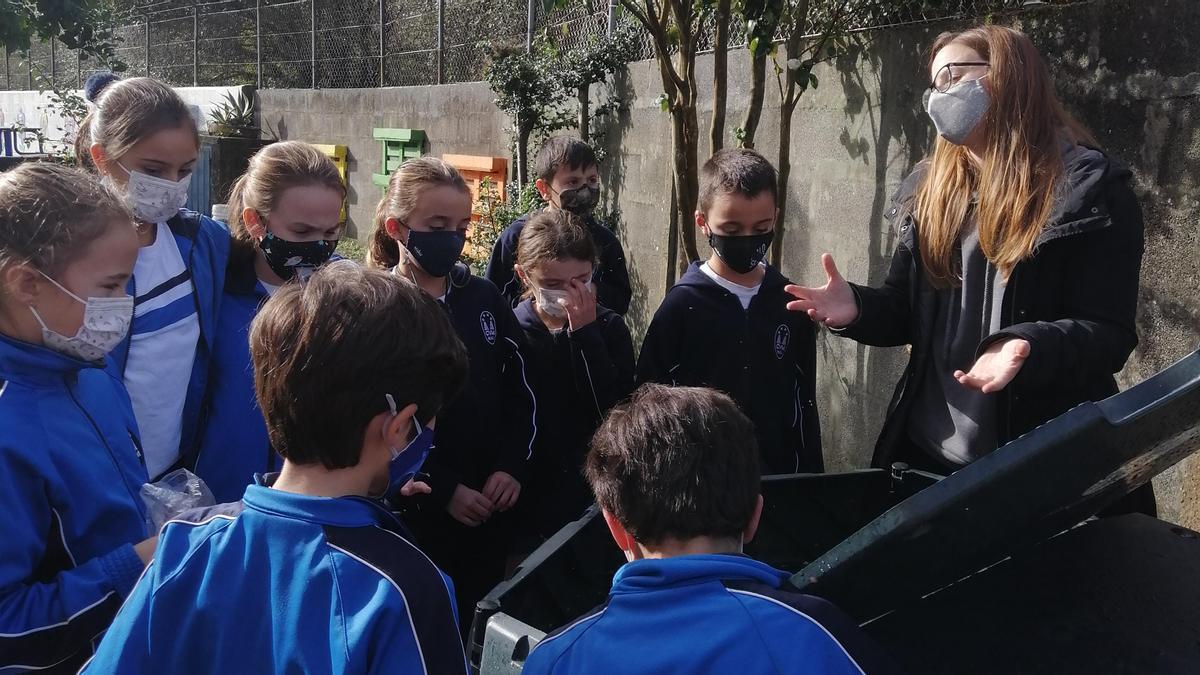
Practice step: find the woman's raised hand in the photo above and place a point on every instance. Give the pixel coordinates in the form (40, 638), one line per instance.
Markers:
(832, 304)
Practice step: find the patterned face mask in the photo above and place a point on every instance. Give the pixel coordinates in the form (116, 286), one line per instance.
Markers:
(105, 323)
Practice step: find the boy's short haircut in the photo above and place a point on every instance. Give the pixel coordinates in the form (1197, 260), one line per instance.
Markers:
(563, 152)
(328, 351)
(675, 463)
(739, 171)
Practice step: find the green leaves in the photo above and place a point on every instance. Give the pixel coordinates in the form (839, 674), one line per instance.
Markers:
(78, 24)
(664, 102)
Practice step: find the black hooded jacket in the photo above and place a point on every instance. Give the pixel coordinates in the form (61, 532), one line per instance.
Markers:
(764, 357)
(1074, 300)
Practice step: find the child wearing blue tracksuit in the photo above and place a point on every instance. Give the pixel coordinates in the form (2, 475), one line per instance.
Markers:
(726, 325)
(284, 213)
(675, 472)
(140, 136)
(568, 180)
(580, 362)
(309, 573)
(486, 439)
(75, 536)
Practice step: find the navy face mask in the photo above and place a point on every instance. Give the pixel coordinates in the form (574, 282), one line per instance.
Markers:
(406, 464)
(744, 253)
(436, 252)
(291, 258)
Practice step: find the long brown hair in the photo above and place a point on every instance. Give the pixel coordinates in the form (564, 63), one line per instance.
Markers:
(403, 191)
(1021, 169)
(127, 111)
(273, 170)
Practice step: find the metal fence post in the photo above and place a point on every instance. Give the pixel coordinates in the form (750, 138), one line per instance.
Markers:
(195, 46)
(381, 49)
(441, 41)
(312, 39)
(258, 40)
(529, 19)
(147, 45)
(78, 69)
(612, 17)
(53, 65)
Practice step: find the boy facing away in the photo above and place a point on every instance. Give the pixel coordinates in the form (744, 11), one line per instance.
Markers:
(725, 323)
(308, 573)
(568, 179)
(675, 471)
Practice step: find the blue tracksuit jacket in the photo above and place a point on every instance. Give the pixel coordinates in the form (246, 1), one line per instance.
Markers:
(764, 357)
(613, 289)
(70, 472)
(707, 614)
(286, 583)
(233, 444)
(204, 245)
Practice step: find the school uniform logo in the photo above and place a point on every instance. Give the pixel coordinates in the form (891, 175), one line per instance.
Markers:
(487, 323)
(783, 335)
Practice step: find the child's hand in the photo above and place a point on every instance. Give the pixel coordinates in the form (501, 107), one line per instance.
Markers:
(415, 487)
(832, 304)
(502, 489)
(580, 305)
(145, 549)
(469, 507)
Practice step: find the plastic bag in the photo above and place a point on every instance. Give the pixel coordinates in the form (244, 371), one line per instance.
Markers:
(179, 491)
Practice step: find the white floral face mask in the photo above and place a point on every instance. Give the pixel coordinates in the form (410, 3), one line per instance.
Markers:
(155, 200)
(105, 323)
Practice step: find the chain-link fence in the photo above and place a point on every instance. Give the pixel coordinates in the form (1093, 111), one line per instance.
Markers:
(373, 43)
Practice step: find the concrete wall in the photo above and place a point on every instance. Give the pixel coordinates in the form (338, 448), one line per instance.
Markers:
(458, 119)
(1128, 68)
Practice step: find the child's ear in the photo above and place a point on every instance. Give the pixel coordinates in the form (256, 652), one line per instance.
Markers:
(521, 274)
(396, 430)
(700, 218)
(543, 189)
(20, 282)
(392, 227)
(100, 159)
(752, 526)
(623, 539)
(254, 224)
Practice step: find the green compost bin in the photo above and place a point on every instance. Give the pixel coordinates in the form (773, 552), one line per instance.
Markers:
(998, 568)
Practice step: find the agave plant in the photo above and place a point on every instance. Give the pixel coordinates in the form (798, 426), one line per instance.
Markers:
(234, 116)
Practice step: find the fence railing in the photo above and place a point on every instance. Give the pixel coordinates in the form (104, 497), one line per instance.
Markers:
(362, 43)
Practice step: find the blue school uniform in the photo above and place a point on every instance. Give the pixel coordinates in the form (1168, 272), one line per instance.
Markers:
(490, 426)
(707, 614)
(203, 244)
(611, 277)
(70, 475)
(286, 583)
(233, 444)
(579, 376)
(764, 357)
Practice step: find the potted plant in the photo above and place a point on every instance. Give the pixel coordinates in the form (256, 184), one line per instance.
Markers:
(234, 117)
(231, 140)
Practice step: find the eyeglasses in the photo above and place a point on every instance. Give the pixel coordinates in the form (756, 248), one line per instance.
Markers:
(953, 73)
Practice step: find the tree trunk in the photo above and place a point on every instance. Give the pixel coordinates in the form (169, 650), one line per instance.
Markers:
(758, 89)
(716, 133)
(584, 112)
(784, 170)
(524, 131)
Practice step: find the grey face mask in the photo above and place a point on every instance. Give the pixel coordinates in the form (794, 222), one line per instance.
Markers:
(959, 111)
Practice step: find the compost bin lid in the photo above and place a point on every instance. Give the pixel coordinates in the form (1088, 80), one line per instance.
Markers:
(1033, 488)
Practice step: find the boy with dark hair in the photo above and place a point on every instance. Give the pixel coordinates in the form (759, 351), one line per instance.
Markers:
(725, 323)
(306, 573)
(568, 179)
(675, 471)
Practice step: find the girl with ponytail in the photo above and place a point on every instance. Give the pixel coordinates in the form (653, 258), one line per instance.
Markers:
(285, 214)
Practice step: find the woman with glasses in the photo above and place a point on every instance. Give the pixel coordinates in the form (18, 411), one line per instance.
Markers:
(1015, 277)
